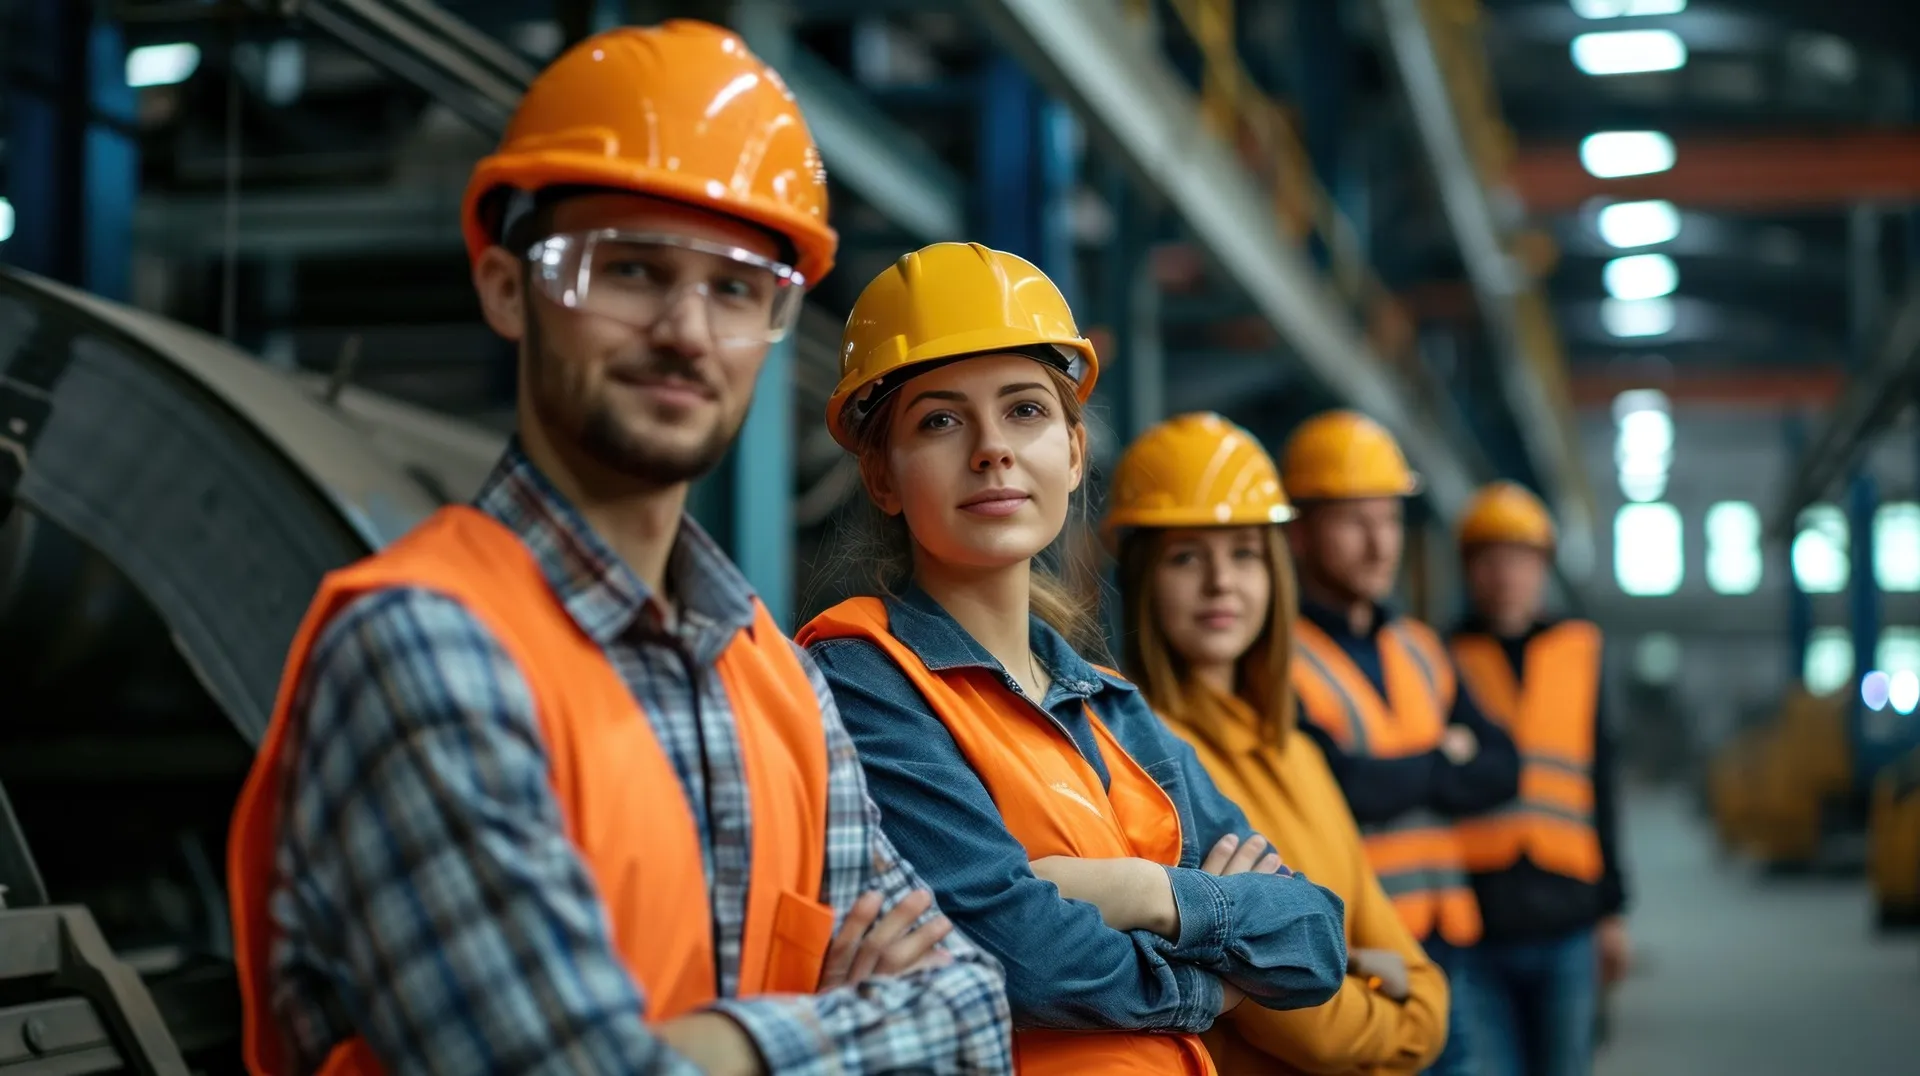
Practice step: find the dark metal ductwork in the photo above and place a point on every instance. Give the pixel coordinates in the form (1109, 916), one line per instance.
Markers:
(178, 504)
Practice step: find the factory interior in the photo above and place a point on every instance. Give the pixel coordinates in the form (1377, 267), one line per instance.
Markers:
(1657, 261)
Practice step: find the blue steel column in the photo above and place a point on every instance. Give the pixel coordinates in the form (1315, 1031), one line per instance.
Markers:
(1132, 384)
(1007, 211)
(1799, 602)
(761, 480)
(72, 167)
(1866, 288)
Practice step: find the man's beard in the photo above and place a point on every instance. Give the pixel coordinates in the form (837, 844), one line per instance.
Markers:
(598, 433)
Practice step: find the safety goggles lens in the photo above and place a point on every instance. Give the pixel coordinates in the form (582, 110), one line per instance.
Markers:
(637, 279)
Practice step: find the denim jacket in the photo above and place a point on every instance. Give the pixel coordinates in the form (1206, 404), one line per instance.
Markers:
(1278, 937)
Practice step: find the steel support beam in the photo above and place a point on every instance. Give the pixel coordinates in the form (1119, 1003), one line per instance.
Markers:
(1872, 398)
(760, 474)
(1764, 173)
(1497, 281)
(1087, 52)
(482, 81)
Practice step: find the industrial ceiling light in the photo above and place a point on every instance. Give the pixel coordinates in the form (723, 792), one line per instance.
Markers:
(162, 65)
(1629, 318)
(1629, 52)
(1613, 9)
(6, 220)
(1613, 154)
(1639, 224)
(1641, 276)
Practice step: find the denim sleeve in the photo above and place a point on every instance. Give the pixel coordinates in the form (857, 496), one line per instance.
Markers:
(1065, 967)
(1278, 937)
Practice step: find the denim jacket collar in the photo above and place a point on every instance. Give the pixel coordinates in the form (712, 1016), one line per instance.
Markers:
(927, 629)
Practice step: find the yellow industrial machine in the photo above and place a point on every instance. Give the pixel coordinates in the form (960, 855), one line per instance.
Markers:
(1893, 828)
(1771, 786)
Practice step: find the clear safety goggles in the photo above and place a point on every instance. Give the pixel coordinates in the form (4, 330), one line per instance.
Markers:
(639, 277)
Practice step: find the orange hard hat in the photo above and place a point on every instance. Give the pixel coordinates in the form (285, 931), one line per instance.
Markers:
(1506, 512)
(680, 111)
(1344, 455)
(949, 301)
(1194, 470)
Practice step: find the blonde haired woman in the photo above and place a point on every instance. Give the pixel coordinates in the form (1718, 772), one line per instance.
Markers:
(1208, 594)
(1060, 825)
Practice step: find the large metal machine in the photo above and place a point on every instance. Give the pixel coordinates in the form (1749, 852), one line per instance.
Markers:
(170, 505)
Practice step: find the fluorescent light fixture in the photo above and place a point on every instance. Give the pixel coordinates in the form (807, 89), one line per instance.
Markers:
(1639, 224)
(6, 220)
(1613, 154)
(162, 65)
(1646, 435)
(1903, 693)
(1641, 276)
(1631, 318)
(1629, 52)
(1639, 400)
(1614, 9)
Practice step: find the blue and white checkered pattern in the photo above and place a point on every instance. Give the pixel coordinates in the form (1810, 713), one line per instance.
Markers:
(428, 898)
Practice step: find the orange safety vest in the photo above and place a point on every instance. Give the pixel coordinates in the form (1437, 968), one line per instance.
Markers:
(1552, 720)
(1052, 803)
(1417, 855)
(622, 803)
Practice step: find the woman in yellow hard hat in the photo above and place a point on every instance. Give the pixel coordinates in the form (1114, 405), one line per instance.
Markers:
(1208, 596)
(1061, 826)
(1546, 868)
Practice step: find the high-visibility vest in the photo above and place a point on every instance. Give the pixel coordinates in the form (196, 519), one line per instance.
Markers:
(623, 805)
(1417, 855)
(1052, 802)
(1552, 718)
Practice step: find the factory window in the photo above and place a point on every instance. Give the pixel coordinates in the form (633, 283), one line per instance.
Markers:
(1896, 547)
(1820, 561)
(1648, 558)
(1734, 563)
(1829, 662)
(1898, 650)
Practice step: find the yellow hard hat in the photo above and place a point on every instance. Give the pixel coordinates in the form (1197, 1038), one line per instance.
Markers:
(1194, 470)
(1344, 455)
(950, 301)
(1506, 512)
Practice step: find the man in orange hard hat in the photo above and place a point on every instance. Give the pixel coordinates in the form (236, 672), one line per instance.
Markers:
(1546, 868)
(1411, 751)
(546, 789)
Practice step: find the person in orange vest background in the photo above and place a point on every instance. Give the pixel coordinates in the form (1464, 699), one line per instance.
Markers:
(1207, 593)
(546, 789)
(1061, 825)
(1546, 867)
(1410, 750)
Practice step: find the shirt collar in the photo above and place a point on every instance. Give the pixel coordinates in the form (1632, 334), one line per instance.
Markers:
(938, 640)
(1475, 624)
(1335, 623)
(600, 592)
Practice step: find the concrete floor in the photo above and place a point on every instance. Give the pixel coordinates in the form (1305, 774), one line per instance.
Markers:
(1751, 975)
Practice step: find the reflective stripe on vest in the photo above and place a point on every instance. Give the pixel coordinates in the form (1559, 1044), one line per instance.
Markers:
(1552, 719)
(623, 805)
(1052, 802)
(1416, 855)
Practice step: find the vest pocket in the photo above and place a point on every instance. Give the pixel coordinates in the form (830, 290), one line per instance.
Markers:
(802, 930)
